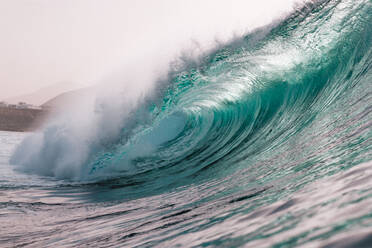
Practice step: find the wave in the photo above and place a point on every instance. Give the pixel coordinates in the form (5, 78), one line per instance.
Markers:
(240, 103)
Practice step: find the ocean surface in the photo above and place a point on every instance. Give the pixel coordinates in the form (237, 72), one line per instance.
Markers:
(261, 142)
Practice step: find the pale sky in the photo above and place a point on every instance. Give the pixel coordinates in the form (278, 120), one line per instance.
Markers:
(44, 42)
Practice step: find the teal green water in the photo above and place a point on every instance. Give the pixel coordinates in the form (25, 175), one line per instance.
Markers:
(262, 142)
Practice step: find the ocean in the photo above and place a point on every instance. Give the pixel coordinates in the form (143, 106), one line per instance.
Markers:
(264, 141)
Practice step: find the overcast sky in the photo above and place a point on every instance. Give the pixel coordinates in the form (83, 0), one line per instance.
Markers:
(44, 42)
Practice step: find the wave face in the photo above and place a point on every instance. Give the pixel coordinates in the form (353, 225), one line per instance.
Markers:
(245, 102)
(264, 140)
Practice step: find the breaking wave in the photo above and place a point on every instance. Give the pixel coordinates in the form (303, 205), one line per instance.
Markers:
(245, 102)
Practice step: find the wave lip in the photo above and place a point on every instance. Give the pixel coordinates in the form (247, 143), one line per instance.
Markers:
(238, 102)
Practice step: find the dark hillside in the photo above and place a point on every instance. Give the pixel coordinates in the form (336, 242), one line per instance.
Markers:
(21, 120)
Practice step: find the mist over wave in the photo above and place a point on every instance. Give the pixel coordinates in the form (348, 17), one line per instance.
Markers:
(80, 128)
(106, 114)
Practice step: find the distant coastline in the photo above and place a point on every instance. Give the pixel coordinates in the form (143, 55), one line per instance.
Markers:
(25, 117)
(17, 119)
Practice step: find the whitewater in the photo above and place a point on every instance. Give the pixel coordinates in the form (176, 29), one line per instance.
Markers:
(262, 141)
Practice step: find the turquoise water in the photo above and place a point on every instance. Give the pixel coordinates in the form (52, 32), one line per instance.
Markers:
(262, 142)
